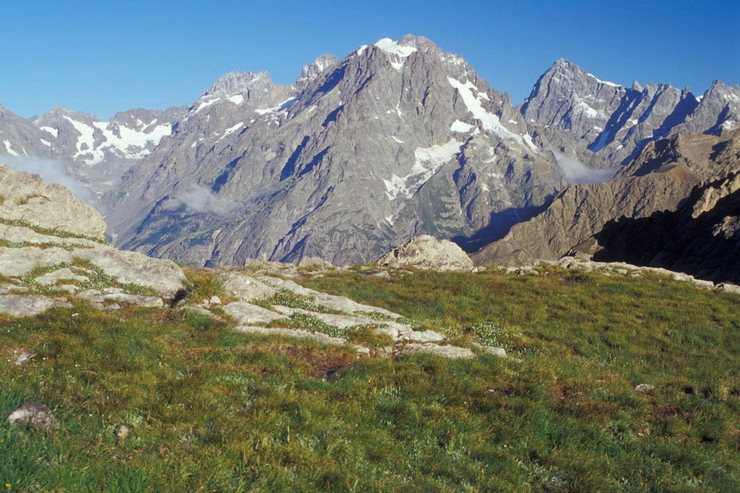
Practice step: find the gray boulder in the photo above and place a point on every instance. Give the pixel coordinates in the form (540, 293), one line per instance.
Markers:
(427, 252)
(33, 415)
(25, 305)
(245, 288)
(26, 197)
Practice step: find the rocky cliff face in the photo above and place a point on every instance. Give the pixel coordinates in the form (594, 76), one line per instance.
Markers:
(19, 137)
(701, 237)
(397, 139)
(660, 179)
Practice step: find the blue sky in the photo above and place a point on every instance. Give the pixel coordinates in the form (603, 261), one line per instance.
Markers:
(103, 56)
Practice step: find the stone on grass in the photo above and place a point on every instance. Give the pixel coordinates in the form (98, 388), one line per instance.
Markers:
(338, 303)
(644, 388)
(23, 358)
(302, 334)
(427, 252)
(64, 274)
(246, 313)
(33, 415)
(25, 305)
(393, 329)
(121, 432)
(495, 351)
(451, 352)
(730, 288)
(115, 295)
(162, 275)
(423, 336)
(16, 262)
(245, 288)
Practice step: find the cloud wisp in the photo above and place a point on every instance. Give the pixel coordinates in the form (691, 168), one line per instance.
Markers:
(51, 171)
(576, 172)
(198, 198)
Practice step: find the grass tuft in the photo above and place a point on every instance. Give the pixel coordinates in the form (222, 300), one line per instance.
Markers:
(202, 285)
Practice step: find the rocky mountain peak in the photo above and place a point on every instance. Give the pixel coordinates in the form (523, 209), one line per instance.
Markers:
(240, 83)
(395, 140)
(318, 66)
(717, 112)
(58, 113)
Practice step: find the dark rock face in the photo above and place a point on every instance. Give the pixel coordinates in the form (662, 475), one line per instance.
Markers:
(616, 220)
(701, 237)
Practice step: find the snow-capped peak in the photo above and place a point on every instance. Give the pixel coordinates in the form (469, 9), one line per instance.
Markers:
(393, 47)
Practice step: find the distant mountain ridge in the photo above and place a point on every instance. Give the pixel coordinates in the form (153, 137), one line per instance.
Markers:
(395, 140)
(605, 124)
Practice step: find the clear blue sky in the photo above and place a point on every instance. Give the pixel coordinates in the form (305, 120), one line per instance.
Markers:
(106, 56)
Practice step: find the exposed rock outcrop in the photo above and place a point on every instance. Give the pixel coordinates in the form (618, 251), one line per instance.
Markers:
(50, 239)
(26, 197)
(46, 268)
(427, 252)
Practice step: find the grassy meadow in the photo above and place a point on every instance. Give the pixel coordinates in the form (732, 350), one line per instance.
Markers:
(211, 409)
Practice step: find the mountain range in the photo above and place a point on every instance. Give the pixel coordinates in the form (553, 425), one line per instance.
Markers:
(395, 140)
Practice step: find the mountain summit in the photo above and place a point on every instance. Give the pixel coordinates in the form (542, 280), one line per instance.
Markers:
(397, 139)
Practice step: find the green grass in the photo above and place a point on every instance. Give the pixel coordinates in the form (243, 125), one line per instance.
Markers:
(97, 279)
(211, 409)
(50, 232)
(202, 285)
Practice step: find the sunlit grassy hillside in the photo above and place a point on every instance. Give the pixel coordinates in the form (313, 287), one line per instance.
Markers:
(211, 409)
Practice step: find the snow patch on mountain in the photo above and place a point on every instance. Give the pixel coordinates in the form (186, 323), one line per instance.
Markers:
(85, 143)
(606, 83)
(490, 122)
(428, 161)
(281, 107)
(458, 126)
(397, 51)
(390, 46)
(52, 131)
(9, 149)
(125, 142)
(231, 130)
(205, 104)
